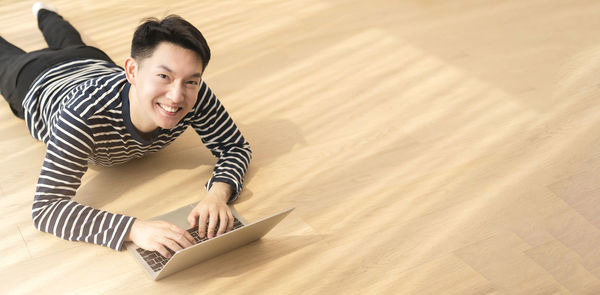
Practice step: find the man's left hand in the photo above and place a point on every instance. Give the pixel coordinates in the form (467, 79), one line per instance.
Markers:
(213, 209)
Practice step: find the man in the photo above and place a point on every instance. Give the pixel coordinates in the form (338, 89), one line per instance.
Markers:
(87, 109)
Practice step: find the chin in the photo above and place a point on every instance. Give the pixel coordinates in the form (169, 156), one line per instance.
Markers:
(168, 125)
(167, 121)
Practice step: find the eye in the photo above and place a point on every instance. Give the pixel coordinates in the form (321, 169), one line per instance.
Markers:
(192, 82)
(163, 76)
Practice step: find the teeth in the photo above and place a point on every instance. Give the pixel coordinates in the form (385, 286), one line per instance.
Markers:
(167, 108)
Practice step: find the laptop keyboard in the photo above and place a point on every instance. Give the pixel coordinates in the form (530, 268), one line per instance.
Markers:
(156, 261)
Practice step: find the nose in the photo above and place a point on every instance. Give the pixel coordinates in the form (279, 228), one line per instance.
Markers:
(175, 93)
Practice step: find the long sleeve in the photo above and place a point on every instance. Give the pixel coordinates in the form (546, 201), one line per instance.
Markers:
(53, 210)
(222, 137)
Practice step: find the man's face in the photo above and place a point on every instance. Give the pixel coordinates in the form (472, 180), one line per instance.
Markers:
(165, 87)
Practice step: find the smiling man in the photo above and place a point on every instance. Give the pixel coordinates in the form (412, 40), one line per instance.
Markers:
(89, 110)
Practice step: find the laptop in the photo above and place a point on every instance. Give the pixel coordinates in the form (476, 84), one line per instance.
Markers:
(243, 232)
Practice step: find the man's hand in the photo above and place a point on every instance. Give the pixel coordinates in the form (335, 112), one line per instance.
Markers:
(213, 208)
(157, 235)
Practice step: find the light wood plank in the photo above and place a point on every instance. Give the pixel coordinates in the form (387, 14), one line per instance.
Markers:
(429, 147)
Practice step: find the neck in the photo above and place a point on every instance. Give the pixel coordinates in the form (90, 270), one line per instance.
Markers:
(143, 126)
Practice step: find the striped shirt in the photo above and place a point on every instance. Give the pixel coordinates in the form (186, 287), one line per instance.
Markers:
(80, 110)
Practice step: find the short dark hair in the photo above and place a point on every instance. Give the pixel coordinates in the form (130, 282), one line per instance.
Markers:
(173, 29)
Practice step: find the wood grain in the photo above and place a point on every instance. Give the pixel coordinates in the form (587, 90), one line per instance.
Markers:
(430, 147)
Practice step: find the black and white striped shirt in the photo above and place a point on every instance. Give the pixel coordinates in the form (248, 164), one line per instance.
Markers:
(80, 109)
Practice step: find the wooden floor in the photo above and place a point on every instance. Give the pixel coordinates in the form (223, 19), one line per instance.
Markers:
(429, 147)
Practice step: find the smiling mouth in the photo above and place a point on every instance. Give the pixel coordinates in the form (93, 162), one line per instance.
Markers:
(169, 109)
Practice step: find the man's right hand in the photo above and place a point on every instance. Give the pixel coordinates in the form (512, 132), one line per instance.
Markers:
(157, 235)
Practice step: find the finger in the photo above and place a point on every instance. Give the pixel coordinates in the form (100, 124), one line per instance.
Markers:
(230, 223)
(163, 251)
(192, 218)
(171, 244)
(212, 224)
(189, 237)
(181, 236)
(223, 223)
(202, 224)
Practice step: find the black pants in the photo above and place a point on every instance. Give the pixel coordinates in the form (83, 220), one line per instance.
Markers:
(19, 69)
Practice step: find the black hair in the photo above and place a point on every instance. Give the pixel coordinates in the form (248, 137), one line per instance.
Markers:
(173, 29)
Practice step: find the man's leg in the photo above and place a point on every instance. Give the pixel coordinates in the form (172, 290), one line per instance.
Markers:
(10, 57)
(65, 44)
(58, 32)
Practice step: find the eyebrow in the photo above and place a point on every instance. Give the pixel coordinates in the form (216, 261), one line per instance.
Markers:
(196, 75)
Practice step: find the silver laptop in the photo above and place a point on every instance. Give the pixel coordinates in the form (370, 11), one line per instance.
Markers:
(243, 233)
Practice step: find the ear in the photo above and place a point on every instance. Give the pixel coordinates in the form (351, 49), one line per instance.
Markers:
(131, 70)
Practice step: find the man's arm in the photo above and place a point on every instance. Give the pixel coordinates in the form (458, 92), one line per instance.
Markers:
(53, 209)
(222, 137)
